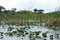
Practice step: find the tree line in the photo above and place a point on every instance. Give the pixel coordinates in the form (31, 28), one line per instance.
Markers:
(13, 10)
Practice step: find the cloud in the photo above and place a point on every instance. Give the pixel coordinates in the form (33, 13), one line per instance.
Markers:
(48, 5)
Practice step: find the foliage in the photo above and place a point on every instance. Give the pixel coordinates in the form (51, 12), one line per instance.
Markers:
(1, 8)
(44, 35)
(17, 17)
(35, 10)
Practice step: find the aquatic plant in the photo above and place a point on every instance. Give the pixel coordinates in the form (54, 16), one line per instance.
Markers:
(9, 34)
(37, 34)
(34, 35)
(1, 33)
(10, 29)
(1, 37)
(44, 35)
(26, 33)
(8, 23)
(14, 32)
(57, 36)
(21, 31)
(31, 35)
(51, 37)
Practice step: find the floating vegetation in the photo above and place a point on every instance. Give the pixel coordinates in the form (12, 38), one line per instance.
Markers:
(31, 35)
(24, 31)
(9, 34)
(44, 35)
(34, 35)
(1, 37)
(14, 32)
(37, 34)
(51, 37)
(45, 39)
(10, 28)
(1, 33)
(57, 36)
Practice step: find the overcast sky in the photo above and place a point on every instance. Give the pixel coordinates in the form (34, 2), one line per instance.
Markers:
(48, 5)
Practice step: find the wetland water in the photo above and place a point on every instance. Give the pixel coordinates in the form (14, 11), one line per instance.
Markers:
(28, 33)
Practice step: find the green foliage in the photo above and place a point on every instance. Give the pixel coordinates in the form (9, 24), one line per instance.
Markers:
(12, 16)
(28, 15)
(44, 35)
(14, 32)
(31, 35)
(51, 37)
(9, 34)
(1, 7)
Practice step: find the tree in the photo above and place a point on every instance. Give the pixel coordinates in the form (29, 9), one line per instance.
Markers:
(13, 9)
(1, 8)
(5, 11)
(35, 10)
(40, 11)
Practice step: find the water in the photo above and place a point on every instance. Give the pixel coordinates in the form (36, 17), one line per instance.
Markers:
(54, 33)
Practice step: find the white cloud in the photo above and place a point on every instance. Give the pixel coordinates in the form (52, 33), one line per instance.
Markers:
(30, 4)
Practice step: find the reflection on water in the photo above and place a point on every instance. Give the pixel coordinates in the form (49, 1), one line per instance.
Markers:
(28, 33)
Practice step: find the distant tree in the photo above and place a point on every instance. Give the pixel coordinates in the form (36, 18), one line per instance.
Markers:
(13, 9)
(5, 11)
(35, 10)
(1, 8)
(40, 11)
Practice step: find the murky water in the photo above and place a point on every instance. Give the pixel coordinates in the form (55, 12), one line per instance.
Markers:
(51, 34)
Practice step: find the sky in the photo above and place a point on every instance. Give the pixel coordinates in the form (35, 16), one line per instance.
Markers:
(47, 5)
